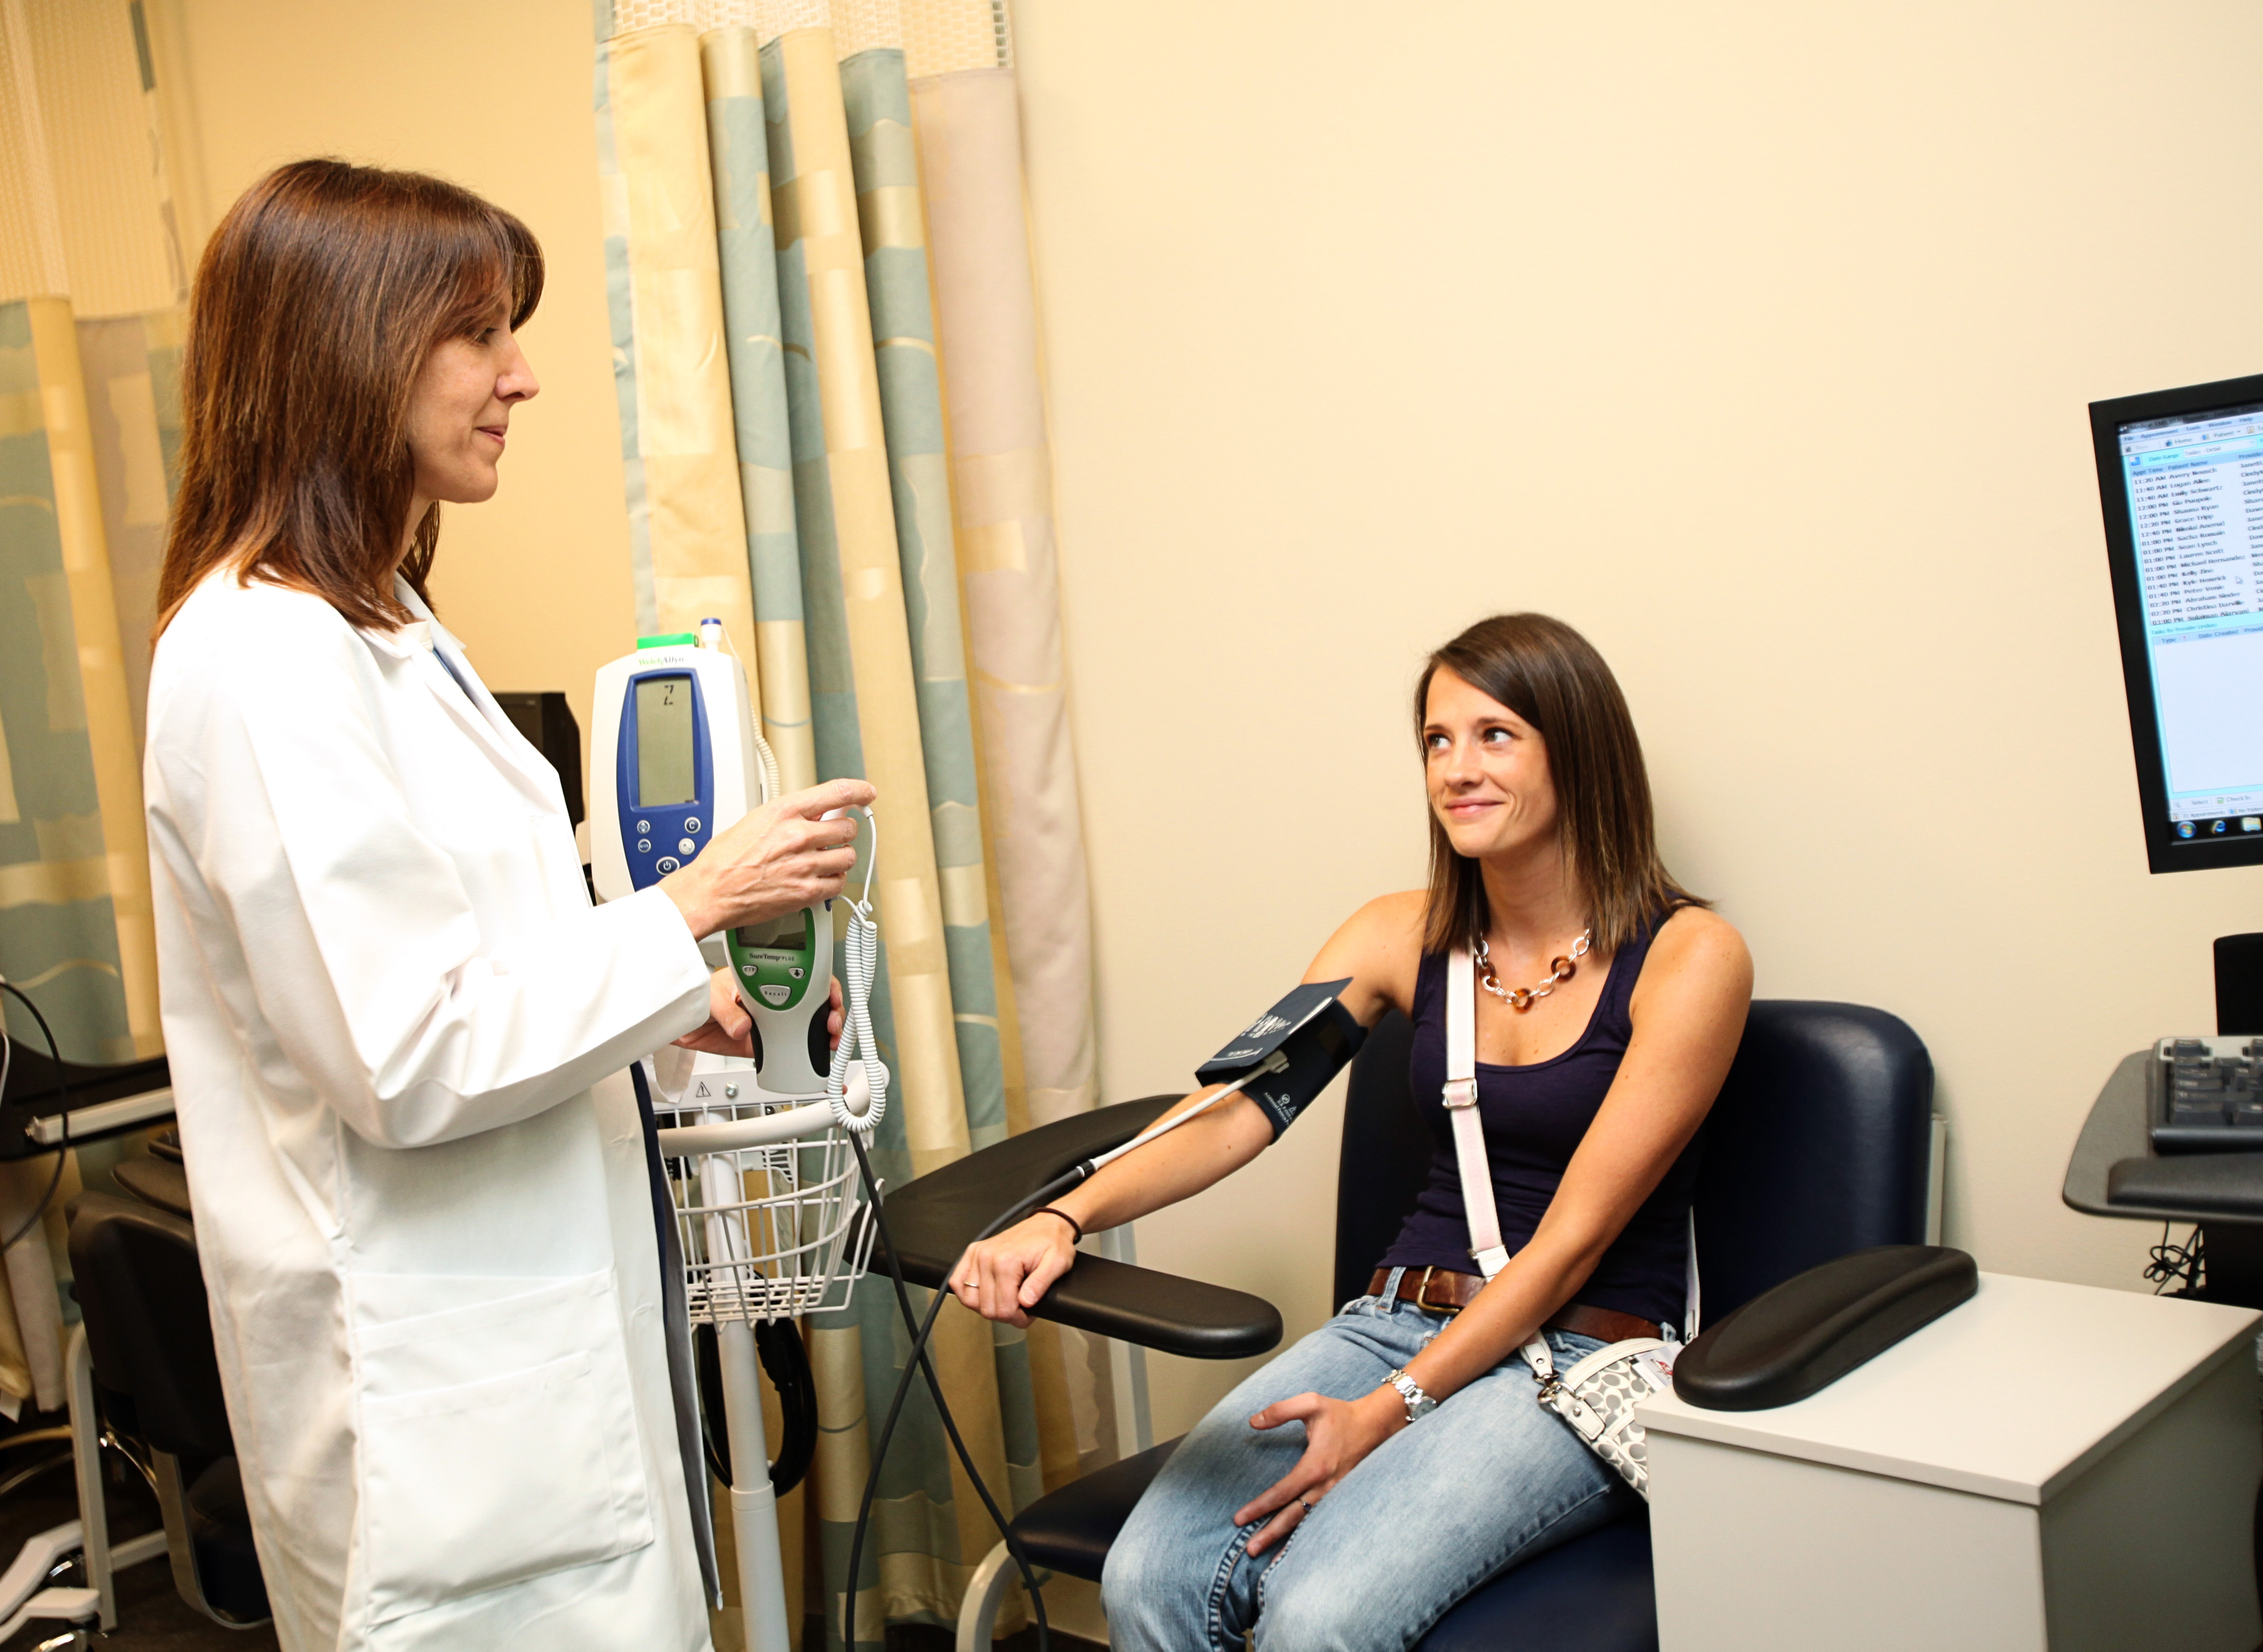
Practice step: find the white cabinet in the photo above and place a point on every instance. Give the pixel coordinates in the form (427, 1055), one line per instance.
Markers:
(2048, 1467)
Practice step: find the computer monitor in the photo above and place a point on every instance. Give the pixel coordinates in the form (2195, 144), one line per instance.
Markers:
(2181, 476)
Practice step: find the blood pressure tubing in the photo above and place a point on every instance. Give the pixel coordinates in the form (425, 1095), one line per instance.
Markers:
(924, 1331)
(861, 948)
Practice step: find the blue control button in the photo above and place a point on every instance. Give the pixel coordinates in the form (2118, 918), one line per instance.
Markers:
(644, 825)
(664, 865)
(691, 825)
(644, 846)
(686, 848)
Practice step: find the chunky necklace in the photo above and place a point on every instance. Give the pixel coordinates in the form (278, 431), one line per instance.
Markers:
(1522, 998)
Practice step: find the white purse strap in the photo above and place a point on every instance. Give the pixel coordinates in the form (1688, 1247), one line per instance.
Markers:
(1476, 1168)
(1462, 1108)
(1690, 1309)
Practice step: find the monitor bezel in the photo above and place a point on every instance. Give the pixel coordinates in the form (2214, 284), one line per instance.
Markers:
(2164, 851)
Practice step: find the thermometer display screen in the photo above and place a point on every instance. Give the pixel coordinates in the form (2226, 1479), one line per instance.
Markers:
(664, 765)
(787, 933)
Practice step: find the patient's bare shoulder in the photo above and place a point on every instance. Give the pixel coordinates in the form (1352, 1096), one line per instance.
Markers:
(1380, 948)
(1698, 964)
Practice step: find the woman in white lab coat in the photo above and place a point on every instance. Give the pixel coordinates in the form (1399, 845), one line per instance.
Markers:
(400, 1033)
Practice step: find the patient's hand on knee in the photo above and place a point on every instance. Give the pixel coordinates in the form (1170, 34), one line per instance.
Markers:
(1338, 1436)
(1003, 1278)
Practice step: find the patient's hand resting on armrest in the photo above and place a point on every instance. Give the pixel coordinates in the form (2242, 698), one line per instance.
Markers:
(1004, 1276)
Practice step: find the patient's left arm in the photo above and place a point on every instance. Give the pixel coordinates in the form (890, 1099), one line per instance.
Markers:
(1688, 1013)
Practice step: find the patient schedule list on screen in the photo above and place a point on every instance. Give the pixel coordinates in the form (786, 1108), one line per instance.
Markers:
(2195, 488)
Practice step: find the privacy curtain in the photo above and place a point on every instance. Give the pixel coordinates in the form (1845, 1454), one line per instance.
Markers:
(91, 294)
(824, 339)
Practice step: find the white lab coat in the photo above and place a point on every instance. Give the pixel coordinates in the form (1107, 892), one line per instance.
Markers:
(399, 1034)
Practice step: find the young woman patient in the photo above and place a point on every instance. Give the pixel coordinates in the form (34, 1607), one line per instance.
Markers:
(1311, 1510)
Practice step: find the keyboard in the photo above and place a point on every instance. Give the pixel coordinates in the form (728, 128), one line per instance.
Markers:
(2205, 1095)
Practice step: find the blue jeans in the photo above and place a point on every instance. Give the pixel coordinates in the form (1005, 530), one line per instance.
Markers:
(1488, 1479)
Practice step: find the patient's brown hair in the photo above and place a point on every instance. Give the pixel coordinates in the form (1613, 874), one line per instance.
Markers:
(317, 301)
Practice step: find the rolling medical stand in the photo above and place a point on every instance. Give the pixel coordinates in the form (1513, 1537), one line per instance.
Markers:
(762, 1179)
(768, 1218)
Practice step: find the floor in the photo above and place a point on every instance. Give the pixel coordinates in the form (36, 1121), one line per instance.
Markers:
(151, 1616)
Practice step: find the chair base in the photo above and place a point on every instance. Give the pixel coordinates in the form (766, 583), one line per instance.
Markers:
(985, 1592)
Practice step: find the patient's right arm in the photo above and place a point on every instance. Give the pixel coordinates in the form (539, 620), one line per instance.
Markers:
(1002, 1278)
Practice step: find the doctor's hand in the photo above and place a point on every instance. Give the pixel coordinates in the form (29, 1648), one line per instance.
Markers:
(777, 858)
(729, 1029)
(1002, 1278)
(1338, 1436)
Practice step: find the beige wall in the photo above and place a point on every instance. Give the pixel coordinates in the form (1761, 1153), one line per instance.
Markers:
(1753, 339)
(497, 97)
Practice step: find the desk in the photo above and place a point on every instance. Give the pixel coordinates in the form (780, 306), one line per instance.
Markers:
(2113, 1172)
(2096, 1500)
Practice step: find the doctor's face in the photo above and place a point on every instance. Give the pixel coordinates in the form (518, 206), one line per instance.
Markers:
(459, 412)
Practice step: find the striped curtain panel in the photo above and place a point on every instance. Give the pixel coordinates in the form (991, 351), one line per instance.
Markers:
(824, 337)
(90, 294)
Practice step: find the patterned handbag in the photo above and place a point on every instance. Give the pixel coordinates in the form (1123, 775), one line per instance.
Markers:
(1597, 1395)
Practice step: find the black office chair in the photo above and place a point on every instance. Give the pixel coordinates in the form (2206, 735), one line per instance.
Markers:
(148, 1334)
(1819, 1145)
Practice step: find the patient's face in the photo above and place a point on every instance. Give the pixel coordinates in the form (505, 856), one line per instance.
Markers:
(1487, 772)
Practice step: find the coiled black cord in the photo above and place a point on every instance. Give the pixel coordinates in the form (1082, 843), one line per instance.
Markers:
(63, 1089)
(923, 1330)
(2180, 1265)
(785, 1361)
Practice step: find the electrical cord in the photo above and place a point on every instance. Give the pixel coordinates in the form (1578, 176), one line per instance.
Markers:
(2180, 1265)
(861, 951)
(1021, 1563)
(924, 1332)
(63, 1089)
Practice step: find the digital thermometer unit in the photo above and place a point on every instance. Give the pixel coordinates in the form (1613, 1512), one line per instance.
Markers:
(685, 763)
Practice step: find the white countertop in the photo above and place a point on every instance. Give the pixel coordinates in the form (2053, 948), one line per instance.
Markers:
(2011, 1395)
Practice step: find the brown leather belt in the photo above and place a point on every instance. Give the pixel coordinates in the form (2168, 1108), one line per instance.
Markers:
(1446, 1292)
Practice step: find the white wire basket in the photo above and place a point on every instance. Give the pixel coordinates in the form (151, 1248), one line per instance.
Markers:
(770, 1219)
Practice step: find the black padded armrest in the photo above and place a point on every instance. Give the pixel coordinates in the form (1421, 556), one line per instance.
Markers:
(935, 1219)
(1814, 1328)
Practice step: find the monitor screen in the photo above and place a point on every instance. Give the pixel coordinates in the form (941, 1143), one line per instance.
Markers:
(2180, 476)
(665, 770)
(787, 933)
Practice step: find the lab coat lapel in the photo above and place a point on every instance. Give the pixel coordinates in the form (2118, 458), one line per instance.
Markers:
(478, 714)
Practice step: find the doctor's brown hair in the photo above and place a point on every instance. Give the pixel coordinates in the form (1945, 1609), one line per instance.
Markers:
(1552, 678)
(317, 301)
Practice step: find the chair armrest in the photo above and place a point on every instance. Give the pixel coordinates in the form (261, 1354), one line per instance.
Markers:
(935, 1219)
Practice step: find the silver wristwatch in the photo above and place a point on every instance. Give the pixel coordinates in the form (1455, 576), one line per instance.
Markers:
(1419, 1404)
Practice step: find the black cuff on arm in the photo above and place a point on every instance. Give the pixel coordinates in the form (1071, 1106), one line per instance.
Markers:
(1312, 1030)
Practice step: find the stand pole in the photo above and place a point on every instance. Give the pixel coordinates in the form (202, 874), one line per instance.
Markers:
(754, 1505)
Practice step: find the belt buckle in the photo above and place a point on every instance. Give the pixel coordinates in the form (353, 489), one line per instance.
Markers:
(1423, 1300)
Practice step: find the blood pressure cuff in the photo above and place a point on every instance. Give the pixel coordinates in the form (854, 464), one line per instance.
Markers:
(1312, 1030)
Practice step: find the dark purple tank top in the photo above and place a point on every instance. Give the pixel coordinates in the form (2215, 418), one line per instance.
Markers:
(1534, 1116)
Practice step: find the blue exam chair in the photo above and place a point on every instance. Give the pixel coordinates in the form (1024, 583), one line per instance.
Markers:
(1819, 1145)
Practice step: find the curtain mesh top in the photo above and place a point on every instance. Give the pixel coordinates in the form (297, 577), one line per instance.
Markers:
(937, 36)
